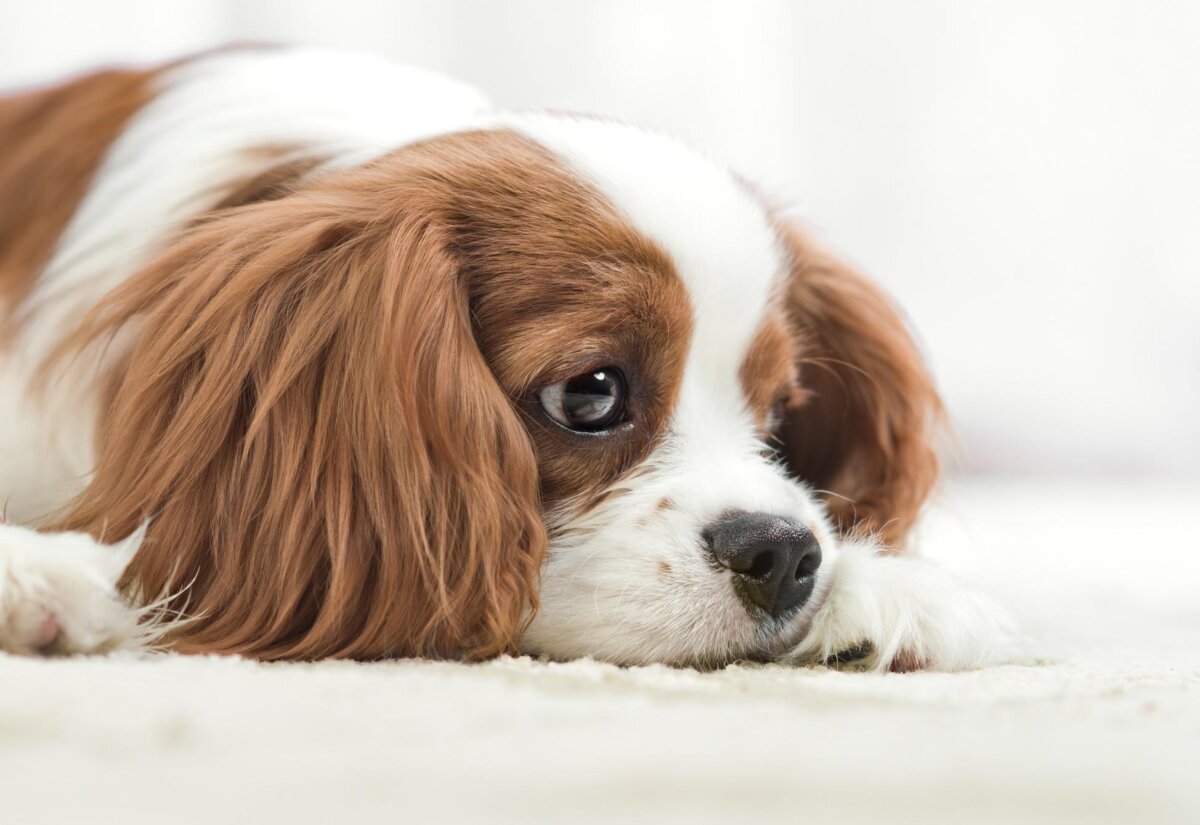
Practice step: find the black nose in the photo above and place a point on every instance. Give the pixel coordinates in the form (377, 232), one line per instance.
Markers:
(773, 559)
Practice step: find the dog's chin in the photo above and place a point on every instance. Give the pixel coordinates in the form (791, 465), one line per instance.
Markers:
(767, 640)
(774, 640)
(779, 637)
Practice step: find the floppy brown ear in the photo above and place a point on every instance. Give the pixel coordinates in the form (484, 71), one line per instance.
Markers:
(330, 466)
(865, 432)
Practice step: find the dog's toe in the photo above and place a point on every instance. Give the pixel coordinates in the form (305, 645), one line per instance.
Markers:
(58, 595)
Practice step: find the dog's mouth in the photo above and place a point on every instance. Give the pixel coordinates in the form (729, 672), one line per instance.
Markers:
(779, 636)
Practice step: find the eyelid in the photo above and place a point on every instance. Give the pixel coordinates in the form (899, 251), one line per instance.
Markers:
(580, 364)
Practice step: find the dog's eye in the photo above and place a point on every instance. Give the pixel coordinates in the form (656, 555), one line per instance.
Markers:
(775, 416)
(590, 403)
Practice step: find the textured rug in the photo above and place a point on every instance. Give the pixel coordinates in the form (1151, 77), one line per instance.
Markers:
(1101, 723)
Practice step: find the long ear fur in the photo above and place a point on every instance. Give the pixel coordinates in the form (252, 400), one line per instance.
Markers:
(329, 465)
(865, 433)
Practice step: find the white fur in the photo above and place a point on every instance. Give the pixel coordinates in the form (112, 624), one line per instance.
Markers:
(632, 583)
(172, 163)
(201, 131)
(58, 593)
(629, 581)
(904, 611)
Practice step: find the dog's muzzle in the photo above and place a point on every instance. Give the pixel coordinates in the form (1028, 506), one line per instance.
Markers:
(774, 560)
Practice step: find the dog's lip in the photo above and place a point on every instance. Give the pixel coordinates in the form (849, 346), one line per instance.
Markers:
(793, 631)
(773, 641)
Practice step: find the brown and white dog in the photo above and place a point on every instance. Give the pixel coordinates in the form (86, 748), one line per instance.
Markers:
(306, 354)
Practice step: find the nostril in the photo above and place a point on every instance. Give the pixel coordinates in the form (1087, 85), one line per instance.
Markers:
(761, 566)
(773, 559)
(810, 559)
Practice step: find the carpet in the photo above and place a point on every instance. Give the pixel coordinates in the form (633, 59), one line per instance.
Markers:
(1099, 722)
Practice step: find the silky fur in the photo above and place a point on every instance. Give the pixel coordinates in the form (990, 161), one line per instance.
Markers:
(866, 428)
(314, 384)
(268, 403)
(53, 141)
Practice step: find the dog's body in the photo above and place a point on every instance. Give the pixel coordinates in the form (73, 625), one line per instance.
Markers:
(384, 372)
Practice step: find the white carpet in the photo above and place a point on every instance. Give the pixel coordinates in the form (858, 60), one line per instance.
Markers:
(1105, 729)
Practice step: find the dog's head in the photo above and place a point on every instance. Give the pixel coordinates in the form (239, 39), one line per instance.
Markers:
(556, 385)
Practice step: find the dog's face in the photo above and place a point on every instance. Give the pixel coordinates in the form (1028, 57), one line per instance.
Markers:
(652, 361)
(556, 385)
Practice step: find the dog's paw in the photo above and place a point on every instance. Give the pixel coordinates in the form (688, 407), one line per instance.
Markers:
(901, 614)
(58, 593)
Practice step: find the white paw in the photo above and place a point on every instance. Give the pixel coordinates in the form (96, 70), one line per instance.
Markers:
(58, 593)
(886, 613)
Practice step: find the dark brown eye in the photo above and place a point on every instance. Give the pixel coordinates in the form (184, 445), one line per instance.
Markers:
(775, 416)
(589, 403)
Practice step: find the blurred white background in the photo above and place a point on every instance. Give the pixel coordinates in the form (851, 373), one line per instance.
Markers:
(1023, 176)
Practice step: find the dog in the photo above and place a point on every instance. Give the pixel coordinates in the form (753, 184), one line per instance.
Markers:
(306, 355)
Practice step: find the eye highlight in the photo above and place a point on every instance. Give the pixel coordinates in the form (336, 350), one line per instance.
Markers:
(589, 403)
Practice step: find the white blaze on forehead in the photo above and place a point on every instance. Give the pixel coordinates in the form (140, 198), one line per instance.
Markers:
(717, 235)
(603, 590)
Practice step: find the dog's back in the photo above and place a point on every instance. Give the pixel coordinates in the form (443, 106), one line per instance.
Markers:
(52, 141)
(98, 172)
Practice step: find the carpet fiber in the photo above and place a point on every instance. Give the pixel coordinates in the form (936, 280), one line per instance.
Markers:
(1101, 723)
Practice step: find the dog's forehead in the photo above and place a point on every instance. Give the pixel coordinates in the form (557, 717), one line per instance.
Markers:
(717, 233)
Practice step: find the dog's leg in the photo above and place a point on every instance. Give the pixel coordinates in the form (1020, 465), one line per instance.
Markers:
(887, 613)
(58, 593)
